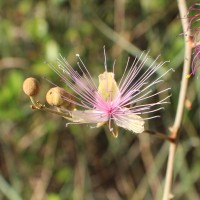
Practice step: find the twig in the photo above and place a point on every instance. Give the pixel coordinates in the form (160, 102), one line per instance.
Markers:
(152, 173)
(160, 135)
(148, 160)
(182, 95)
(119, 22)
(119, 15)
(8, 190)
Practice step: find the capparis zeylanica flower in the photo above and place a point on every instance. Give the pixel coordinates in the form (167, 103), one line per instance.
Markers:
(115, 104)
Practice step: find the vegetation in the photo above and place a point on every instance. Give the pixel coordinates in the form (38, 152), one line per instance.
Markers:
(40, 158)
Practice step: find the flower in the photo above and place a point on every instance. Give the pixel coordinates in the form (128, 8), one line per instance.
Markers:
(110, 103)
(194, 27)
(195, 60)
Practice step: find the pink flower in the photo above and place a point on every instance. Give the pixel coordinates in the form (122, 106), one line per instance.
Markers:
(115, 104)
(194, 27)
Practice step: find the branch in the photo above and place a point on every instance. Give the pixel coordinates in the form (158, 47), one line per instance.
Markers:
(182, 96)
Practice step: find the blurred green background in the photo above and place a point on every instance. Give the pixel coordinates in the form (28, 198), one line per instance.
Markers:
(42, 159)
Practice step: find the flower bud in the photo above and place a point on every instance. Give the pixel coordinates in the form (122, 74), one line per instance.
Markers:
(58, 97)
(31, 86)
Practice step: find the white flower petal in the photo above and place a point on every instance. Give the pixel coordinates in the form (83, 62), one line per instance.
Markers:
(88, 116)
(131, 122)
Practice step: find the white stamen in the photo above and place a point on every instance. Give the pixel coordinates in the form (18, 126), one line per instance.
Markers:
(105, 61)
(114, 66)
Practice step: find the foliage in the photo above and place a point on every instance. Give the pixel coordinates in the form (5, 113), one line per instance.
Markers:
(40, 157)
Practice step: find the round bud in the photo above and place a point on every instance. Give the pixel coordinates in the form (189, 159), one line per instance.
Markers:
(31, 86)
(57, 96)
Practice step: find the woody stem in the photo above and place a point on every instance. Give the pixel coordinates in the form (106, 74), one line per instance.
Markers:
(182, 95)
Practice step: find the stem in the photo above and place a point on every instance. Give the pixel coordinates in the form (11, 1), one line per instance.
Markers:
(37, 105)
(160, 135)
(182, 95)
